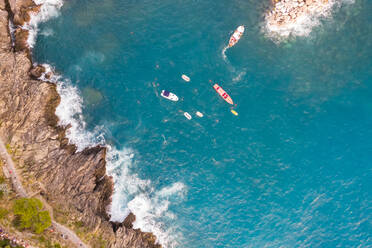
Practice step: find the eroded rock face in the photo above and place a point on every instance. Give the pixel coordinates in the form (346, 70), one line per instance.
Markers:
(37, 71)
(72, 182)
(22, 10)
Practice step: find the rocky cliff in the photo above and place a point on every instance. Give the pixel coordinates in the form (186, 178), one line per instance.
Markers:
(74, 183)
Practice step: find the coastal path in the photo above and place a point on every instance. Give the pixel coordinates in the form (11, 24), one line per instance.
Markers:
(16, 182)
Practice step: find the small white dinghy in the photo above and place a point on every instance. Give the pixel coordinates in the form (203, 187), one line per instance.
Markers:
(187, 115)
(169, 95)
(186, 78)
(236, 36)
(199, 114)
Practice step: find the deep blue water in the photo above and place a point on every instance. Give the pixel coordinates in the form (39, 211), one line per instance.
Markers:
(292, 170)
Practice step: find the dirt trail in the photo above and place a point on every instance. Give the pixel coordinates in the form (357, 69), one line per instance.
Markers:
(11, 169)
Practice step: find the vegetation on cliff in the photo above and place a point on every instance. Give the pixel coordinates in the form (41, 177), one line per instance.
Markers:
(5, 243)
(29, 215)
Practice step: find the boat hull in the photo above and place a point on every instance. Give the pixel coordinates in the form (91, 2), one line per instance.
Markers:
(236, 36)
(223, 94)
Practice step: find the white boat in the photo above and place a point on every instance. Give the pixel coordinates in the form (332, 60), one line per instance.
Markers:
(186, 78)
(199, 114)
(187, 115)
(169, 95)
(236, 36)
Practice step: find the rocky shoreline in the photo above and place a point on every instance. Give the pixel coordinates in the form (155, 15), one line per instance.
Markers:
(74, 183)
(295, 17)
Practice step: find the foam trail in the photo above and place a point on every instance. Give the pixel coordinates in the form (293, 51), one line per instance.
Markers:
(49, 9)
(239, 76)
(224, 53)
(138, 196)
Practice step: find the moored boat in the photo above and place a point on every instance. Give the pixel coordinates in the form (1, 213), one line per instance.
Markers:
(223, 94)
(187, 115)
(186, 78)
(169, 95)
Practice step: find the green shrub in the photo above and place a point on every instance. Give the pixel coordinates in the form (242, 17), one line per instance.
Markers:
(78, 224)
(3, 212)
(5, 243)
(8, 148)
(29, 215)
(42, 239)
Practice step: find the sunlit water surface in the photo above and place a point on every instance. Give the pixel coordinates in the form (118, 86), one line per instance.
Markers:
(293, 169)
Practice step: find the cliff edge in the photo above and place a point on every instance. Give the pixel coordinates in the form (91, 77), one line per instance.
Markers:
(74, 183)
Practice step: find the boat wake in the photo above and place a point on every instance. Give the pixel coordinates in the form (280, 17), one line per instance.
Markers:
(239, 76)
(224, 53)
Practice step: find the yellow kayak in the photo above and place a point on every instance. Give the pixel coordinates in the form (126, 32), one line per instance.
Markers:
(234, 112)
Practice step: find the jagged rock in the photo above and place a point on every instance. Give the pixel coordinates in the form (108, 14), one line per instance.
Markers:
(128, 222)
(4, 35)
(21, 10)
(37, 71)
(21, 36)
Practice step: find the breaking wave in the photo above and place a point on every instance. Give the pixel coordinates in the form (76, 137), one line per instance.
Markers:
(131, 193)
(70, 112)
(48, 10)
(138, 196)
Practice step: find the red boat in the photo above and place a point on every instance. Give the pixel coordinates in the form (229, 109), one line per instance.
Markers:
(236, 36)
(223, 94)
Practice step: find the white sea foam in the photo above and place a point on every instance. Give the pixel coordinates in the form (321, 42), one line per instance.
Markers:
(138, 196)
(304, 23)
(224, 53)
(69, 112)
(47, 32)
(48, 9)
(239, 76)
(132, 194)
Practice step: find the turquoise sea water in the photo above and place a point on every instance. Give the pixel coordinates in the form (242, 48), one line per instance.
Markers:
(292, 170)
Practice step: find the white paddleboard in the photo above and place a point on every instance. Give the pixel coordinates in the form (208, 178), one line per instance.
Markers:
(187, 115)
(186, 78)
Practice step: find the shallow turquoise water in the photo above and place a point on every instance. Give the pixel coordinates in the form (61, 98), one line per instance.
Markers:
(292, 170)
